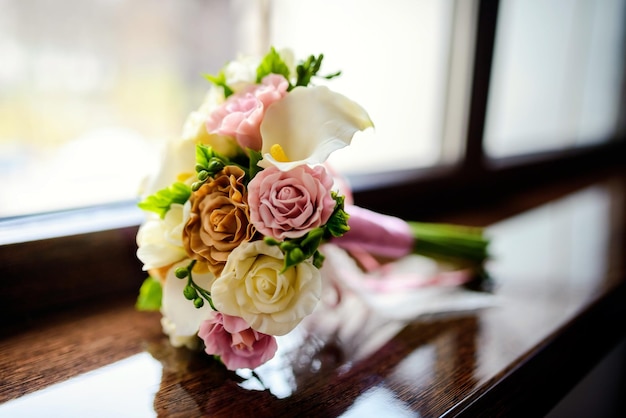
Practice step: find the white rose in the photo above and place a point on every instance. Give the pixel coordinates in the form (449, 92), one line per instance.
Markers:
(183, 319)
(160, 241)
(241, 72)
(252, 287)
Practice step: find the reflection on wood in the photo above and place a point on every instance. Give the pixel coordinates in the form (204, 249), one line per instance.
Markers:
(561, 306)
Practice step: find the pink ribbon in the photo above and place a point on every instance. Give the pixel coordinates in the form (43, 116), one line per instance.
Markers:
(376, 234)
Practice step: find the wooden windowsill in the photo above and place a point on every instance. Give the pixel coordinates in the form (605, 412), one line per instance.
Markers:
(560, 307)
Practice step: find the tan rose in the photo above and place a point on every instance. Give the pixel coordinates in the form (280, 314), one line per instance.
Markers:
(219, 219)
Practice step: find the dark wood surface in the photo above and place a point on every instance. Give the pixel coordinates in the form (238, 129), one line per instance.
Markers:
(559, 307)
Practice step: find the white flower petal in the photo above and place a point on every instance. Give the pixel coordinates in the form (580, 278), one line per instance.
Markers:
(160, 241)
(238, 291)
(178, 157)
(184, 318)
(154, 249)
(309, 124)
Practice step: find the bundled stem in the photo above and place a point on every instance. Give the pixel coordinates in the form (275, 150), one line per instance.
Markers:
(455, 243)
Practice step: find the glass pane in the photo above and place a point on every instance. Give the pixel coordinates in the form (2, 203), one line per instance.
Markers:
(393, 58)
(88, 90)
(557, 75)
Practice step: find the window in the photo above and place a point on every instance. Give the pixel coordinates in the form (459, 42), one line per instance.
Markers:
(85, 82)
(395, 64)
(556, 68)
(80, 82)
(473, 128)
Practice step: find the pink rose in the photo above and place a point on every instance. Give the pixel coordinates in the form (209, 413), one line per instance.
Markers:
(240, 116)
(238, 345)
(288, 204)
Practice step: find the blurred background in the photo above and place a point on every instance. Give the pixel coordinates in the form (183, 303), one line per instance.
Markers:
(89, 90)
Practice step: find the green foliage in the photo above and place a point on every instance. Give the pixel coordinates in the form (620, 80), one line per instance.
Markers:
(208, 159)
(220, 81)
(161, 201)
(305, 247)
(337, 225)
(309, 68)
(209, 163)
(272, 63)
(192, 291)
(253, 169)
(150, 295)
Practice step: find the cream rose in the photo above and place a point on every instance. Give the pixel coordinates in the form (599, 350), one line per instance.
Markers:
(159, 241)
(241, 73)
(252, 287)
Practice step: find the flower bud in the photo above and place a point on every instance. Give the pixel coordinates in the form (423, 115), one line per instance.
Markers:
(203, 175)
(215, 165)
(190, 293)
(181, 272)
(271, 241)
(295, 256)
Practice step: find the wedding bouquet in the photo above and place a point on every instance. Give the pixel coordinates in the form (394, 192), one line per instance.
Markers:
(243, 206)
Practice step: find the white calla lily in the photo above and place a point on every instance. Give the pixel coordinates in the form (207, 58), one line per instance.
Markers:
(307, 125)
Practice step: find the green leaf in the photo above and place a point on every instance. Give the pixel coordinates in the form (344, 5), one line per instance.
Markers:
(299, 249)
(204, 153)
(318, 259)
(309, 68)
(337, 225)
(311, 241)
(272, 63)
(161, 201)
(150, 295)
(255, 157)
(293, 257)
(220, 81)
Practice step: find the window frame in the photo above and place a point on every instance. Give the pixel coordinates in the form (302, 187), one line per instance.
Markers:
(98, 243)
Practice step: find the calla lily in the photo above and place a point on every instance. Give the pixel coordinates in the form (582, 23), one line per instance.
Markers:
(307, 125)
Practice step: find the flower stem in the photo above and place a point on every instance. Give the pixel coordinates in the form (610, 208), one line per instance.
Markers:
(450, 242)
